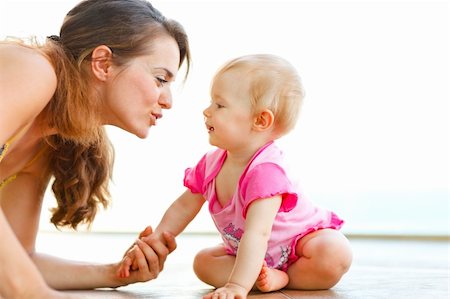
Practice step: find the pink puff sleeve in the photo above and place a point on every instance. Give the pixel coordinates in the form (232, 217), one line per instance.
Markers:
(267, 180)
(194, 178)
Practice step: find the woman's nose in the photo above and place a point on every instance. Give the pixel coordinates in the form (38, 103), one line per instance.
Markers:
(165, 99)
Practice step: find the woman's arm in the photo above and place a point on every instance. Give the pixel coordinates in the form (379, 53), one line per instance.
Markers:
(64, 274)
(21, 202)
(19, 277)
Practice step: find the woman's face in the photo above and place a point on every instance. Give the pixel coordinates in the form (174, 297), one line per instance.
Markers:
(137, 93)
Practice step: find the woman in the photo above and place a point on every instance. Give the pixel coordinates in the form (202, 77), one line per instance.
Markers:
(112, 63)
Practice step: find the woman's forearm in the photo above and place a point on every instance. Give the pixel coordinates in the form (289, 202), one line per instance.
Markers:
(65, 274)
(19, 277)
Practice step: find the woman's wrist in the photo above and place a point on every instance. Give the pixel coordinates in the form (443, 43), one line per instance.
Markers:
(102, 276)
(112, 278)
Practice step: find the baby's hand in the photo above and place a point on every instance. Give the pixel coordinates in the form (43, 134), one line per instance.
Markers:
(129, 261)
(147, 254)
(159, 246)
(229, 291)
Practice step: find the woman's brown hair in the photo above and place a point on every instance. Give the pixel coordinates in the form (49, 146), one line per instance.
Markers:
(81, 156)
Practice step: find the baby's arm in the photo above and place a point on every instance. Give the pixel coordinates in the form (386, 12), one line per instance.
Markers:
(182, 211)
(175, 219)
(252, 248)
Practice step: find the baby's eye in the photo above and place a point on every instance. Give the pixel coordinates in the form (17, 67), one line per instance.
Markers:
(219, 105)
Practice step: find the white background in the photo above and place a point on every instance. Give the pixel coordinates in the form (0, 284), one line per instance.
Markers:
(372, 142)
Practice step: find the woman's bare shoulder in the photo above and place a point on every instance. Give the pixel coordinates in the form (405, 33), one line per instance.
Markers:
(21, 60)
(27, 83)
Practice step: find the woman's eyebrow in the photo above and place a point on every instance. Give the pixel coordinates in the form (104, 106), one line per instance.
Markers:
(169, 73)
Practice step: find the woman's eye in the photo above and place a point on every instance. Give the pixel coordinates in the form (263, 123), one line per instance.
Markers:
(161, 81)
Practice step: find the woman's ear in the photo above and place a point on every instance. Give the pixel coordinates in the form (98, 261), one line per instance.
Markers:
(101, 61)
(264, 120)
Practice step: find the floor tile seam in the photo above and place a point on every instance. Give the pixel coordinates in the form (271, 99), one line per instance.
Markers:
(285, 295)
(402, 269)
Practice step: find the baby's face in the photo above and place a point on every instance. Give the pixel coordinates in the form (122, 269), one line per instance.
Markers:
(229, 117)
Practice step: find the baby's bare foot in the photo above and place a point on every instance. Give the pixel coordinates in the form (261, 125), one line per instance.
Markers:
(271, 279)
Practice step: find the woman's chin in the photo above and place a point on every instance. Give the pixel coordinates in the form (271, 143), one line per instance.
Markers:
(141, 133)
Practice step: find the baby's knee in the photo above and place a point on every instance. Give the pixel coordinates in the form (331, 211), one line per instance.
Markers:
(345, 259)
(330, 254)
(200, 262)
(333, 273)
(336, 263)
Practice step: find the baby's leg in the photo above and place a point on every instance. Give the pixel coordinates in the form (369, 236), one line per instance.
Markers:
(213, 265)
(271, 279)
(325, 256)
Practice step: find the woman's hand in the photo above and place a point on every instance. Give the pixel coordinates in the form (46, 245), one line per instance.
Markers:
(145, 259)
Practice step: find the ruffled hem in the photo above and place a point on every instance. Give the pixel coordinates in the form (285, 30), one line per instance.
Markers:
(334, 223)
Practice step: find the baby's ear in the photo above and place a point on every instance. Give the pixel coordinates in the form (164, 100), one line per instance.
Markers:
(264, 120)
(101, 61)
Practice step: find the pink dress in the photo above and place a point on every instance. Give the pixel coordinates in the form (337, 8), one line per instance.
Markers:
(264, 176)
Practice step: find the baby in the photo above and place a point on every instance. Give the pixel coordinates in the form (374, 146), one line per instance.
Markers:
(273, 237)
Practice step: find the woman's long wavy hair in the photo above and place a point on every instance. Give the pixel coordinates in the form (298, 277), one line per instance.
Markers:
(80, 155)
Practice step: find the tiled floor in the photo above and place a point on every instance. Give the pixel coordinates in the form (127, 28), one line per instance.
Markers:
(382, 268)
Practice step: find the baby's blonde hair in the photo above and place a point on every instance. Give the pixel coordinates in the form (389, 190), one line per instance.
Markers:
(274, 84)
